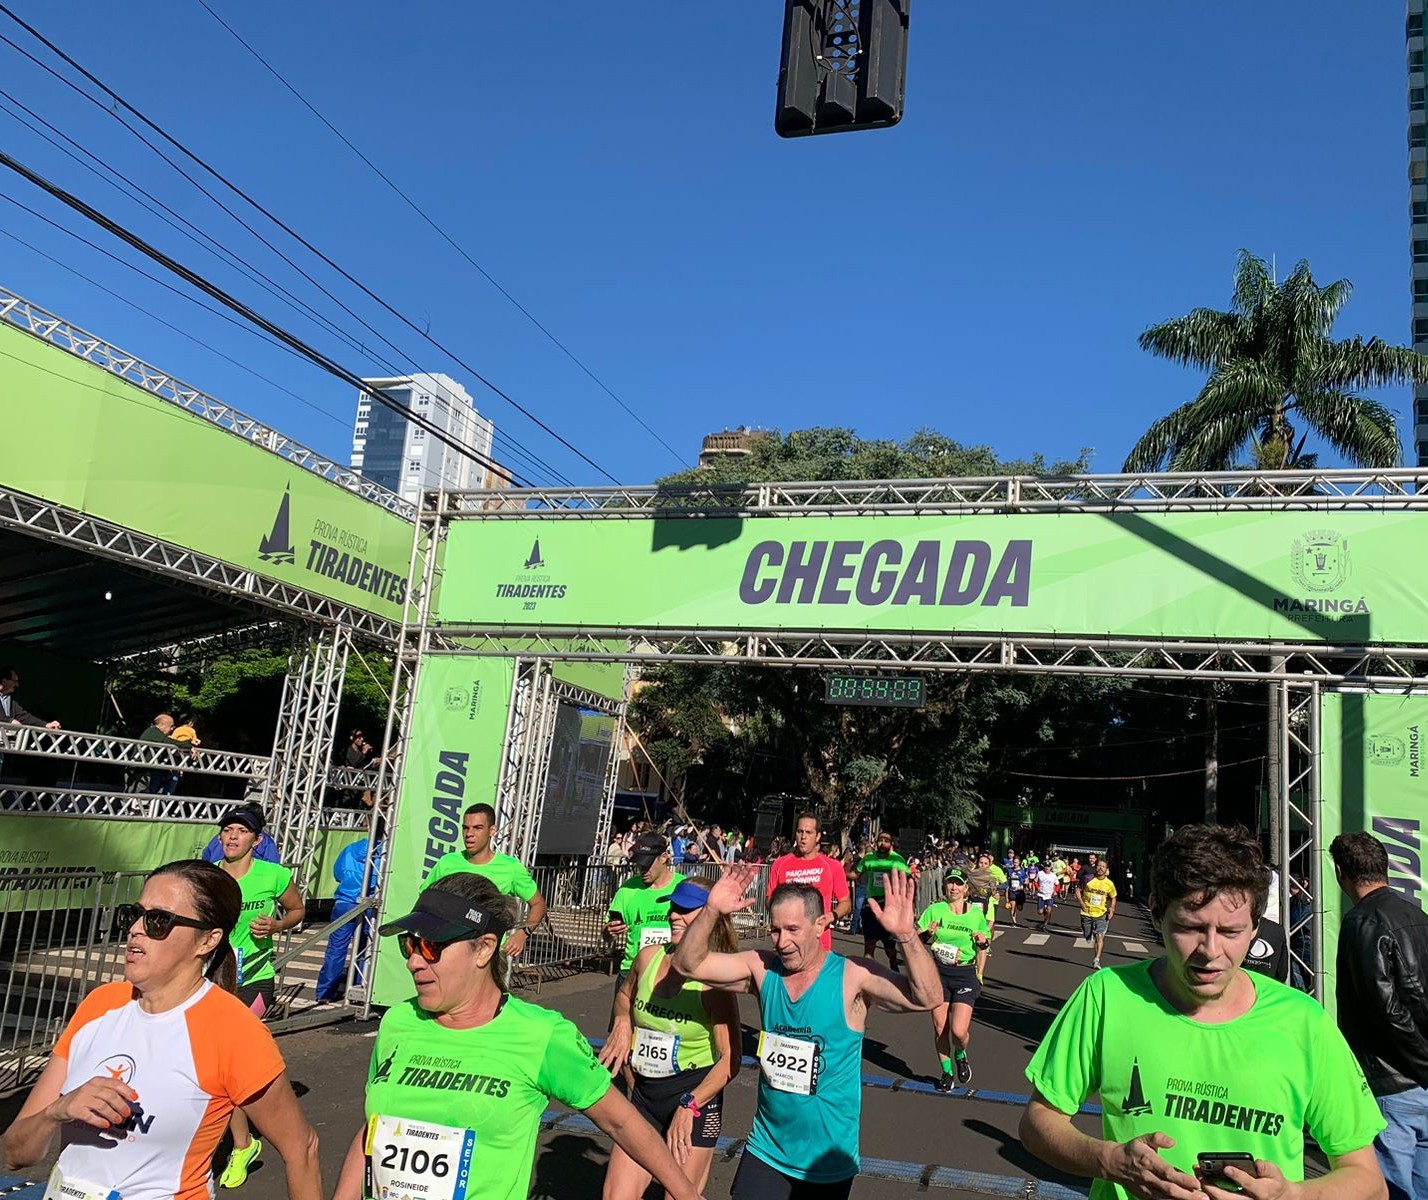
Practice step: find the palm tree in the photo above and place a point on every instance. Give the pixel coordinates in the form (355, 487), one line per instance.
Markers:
(1276, 376)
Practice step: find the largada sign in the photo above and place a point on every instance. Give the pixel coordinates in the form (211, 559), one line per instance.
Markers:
(1292, 576)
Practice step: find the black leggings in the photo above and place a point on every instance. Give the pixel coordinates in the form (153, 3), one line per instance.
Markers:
(756, 1180)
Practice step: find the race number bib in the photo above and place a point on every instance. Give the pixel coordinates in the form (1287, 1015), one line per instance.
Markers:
(66, 1187)
(946, 953)
(654, 935)
(789, 1064)
(417, 1160)
(654, 1054)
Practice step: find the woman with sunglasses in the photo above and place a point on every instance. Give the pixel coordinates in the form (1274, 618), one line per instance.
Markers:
(680, 1041)
(148, 1071)
(958, 934)
(462, 1072)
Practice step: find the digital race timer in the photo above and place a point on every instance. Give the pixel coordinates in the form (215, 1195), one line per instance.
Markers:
(897, 691)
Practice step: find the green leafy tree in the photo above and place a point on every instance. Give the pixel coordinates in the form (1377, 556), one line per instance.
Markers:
(1276, 378)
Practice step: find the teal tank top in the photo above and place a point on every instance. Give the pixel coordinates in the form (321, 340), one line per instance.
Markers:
(813, 1137)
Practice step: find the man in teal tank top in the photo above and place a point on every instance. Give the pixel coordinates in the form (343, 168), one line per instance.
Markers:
(814, 1004)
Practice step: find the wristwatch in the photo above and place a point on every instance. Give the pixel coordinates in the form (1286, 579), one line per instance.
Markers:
(687, 1101)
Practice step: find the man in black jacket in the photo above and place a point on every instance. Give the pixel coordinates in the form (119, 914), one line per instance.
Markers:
(1383, 1007)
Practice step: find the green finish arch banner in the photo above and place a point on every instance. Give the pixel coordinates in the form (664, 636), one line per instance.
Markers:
(1373, 777)
(1254, 575)
(452, 760)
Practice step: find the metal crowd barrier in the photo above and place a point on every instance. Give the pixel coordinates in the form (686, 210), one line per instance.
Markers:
(54, 948)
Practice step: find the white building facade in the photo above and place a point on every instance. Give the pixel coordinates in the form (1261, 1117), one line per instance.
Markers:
(402, 457)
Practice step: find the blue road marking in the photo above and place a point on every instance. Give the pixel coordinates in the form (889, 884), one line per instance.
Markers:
(898, 1170)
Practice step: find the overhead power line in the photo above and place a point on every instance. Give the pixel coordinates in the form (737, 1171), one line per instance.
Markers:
(277, 331)
(450, 241)
(307, 245)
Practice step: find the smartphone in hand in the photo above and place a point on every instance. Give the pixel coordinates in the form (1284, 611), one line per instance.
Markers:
(1211, 1168)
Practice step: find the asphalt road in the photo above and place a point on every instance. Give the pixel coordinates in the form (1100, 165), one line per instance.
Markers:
(914, 1141)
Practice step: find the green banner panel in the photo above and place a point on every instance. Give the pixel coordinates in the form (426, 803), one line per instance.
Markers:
(1374, 776)
(1344, 576)
(453, 759)
(80, 436)
(34, 845)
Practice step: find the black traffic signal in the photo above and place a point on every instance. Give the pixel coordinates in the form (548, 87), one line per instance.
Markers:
(844, 66)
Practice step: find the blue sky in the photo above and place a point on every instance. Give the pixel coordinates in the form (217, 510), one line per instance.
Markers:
(1065, 175)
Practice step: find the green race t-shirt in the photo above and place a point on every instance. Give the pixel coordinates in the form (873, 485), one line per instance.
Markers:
(954, 929)
(495, 1080)
(261, 887)
(639, 906)
(506, 872)
(1252, 1084)
(874, 866)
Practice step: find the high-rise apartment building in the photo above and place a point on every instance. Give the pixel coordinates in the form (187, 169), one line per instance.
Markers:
(1418, 212)
(391, 450)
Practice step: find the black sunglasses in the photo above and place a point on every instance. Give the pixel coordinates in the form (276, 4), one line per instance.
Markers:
(412, 943)
(158, 922)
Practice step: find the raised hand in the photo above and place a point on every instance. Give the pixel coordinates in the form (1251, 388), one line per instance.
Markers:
(897, 913)
(727, 895)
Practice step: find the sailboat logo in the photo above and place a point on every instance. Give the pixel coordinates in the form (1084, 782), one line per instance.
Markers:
(1135, 1105)
(534, 560)
(277, 547)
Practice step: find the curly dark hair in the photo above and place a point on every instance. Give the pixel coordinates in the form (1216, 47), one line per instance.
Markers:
(1198, 862)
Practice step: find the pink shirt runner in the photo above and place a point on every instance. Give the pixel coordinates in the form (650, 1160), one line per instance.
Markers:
(822, 872)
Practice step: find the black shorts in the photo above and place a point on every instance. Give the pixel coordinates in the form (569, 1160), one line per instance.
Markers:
(615, 995)
(756, 1180)
(657, 1100)
(249, 993)
(873, 930)
(960, 985)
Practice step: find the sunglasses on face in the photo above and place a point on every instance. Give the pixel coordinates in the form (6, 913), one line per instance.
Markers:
(158, 922)
(430, 951)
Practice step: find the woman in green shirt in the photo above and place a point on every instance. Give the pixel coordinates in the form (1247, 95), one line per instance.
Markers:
(679, 1041)
(462, 1072)
(957, 933)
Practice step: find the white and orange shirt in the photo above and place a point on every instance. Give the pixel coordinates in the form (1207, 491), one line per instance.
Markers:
(191, 1066)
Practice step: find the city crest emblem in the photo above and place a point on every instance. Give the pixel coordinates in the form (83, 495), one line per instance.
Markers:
(455, 698)
(1384, 750)
(1320, 560)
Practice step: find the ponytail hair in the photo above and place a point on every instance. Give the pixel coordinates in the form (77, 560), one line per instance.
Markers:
(218, 901)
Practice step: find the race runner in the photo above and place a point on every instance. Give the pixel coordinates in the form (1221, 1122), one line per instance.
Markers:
(462, 1072)
(1098, 906)
(958, 934)
(681, 1041)
(874, 868)
(814, 1004)
(639, 912)
(146, 1074)
(266, 887)
(805, 864)
(508, 873)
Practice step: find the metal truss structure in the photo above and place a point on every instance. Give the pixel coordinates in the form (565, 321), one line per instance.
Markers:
(143, 806)
(1395, 666)
(128, 752)
(307, 733)
(56, 331)
(1300, 838)
(1189, 491)
(20, 513)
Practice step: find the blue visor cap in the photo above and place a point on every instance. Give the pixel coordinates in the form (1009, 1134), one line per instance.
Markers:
(687, 896)
(442, 916)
